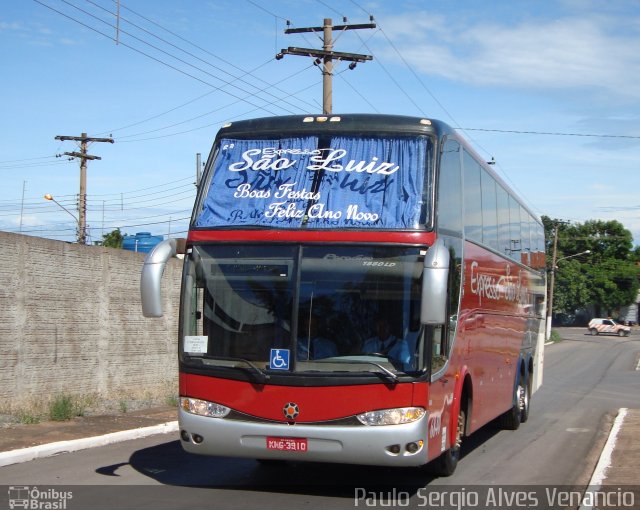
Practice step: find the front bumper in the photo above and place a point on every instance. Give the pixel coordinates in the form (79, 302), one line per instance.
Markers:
(347, 444)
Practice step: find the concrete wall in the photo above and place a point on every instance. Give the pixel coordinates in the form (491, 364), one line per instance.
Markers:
(71, 321)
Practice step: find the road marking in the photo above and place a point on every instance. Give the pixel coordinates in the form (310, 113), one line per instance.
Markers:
(638, 365)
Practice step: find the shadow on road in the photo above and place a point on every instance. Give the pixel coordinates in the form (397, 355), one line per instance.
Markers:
(170, 465)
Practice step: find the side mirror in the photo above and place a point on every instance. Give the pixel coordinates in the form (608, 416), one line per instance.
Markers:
(435, 279)
(151, 277)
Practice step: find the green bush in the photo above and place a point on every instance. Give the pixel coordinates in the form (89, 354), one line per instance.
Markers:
(64, 407)
(27, 418)
(555, 336)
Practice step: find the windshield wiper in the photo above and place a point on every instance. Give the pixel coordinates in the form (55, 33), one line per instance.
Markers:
(262, 377)
(384, 371)
(394, 378)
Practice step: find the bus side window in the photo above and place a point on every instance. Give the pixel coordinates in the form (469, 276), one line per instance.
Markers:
(472, 198)
(449, 203)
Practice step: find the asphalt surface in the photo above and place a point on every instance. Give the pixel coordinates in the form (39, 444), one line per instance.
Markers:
(617, 464)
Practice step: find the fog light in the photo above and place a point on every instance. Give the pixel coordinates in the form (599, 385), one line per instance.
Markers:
(394, 448)
(414, 447)
(184, 435)
(197, 438)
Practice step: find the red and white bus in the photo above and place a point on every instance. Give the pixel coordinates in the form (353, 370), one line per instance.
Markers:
(357, 289)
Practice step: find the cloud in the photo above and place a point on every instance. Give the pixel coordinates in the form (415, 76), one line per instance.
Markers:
(13, 25)
(26, 220)
(584, 52)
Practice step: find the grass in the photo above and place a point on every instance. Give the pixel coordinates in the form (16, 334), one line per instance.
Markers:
(27, 418)
(555, 336)
(64, 408)
(172, 400)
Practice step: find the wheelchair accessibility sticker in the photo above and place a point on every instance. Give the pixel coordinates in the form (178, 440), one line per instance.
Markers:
(279, 359)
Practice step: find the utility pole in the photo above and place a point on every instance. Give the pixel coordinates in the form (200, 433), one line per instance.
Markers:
(84, 157)
(326, 55)
(554, 256)
(554, 264)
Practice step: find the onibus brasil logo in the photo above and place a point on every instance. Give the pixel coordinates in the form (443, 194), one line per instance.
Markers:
(23, 496)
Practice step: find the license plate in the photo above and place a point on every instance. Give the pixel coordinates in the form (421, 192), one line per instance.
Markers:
(287, 444)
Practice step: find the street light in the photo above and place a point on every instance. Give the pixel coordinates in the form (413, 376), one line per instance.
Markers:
(554, 266)
(49, 197)
(586, 252)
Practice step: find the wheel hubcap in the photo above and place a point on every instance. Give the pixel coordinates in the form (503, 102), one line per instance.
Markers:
(460, 431)
(523, 398)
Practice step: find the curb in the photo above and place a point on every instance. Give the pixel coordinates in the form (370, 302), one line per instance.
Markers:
(604, 462)
(73, 445)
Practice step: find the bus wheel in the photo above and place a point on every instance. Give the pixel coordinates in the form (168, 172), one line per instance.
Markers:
(512, 419)
(446, 464)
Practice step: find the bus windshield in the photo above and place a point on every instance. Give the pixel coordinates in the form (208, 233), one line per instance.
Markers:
(319, 182)
(320, 308)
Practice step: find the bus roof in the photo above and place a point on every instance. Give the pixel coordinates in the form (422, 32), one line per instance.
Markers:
(374, 123)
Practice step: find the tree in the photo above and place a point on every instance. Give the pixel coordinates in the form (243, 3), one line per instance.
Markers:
(606, 278)
(572, 287)
(113, 239)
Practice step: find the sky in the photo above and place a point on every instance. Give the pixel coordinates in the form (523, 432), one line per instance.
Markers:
(548, 89)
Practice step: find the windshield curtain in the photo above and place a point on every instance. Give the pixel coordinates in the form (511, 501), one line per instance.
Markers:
(321, 308)
(345, 182)
(255, 181)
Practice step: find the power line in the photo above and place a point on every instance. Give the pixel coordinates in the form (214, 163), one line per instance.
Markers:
(65, 199)
(265, 10)
(156, 59)
(35, 165)
(551, 133)
(235, 78)
(173, 56)
(332, 9)
(25, 159)
(393, 79)
(204, 50)
(360, 7)
(424, 86)
(146, 189)
(174, 198)
(502, 171)
(121, 139)
(373, 107)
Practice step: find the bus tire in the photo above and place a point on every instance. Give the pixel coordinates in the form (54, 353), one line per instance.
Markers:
(512, 419)
(446, 464)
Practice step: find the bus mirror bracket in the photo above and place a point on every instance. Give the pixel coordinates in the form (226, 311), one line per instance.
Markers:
(435, 279)
(151, 277)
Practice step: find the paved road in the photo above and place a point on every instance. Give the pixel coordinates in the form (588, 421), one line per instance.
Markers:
(587, 379)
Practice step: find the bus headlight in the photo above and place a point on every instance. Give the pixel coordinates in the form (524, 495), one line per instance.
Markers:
(203, 407)
(391, 416)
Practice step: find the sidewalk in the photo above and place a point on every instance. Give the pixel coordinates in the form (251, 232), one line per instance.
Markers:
(625, 452)
(618, 464)
(20, 443)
